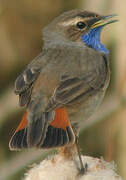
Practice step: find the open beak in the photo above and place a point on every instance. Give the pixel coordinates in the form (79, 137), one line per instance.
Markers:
(103, 21)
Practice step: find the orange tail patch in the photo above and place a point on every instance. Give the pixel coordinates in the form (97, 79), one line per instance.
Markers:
(61, 119)
(59, 132)
(23, 124)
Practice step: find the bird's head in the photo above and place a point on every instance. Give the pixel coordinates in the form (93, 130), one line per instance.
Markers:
(79, 26)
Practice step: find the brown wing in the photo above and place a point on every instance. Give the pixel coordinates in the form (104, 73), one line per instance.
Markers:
(73, 88)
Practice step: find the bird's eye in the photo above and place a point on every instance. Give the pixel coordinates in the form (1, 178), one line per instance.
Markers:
(96, 15)
(81, 25)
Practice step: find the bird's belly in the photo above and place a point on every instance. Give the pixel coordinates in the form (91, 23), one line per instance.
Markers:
(83, 110)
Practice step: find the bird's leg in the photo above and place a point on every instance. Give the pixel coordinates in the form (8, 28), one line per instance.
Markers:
(70, 151)
(83, 168)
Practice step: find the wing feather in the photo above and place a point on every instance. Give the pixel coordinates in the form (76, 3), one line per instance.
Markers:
(72, 89)
(24, 82)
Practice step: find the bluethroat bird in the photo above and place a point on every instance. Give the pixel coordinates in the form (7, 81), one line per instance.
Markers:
(65, 83)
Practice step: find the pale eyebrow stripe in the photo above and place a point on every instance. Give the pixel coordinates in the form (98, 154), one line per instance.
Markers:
(73, 21)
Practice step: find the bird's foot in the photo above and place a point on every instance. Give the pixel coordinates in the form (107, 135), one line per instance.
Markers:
(83, 169)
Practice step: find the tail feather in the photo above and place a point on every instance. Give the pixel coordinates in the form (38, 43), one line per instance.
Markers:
(54, 137)
(41, 132)
(37, 128)
(19, 139)
(59, 132)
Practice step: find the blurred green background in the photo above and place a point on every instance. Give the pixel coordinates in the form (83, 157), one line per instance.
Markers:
(21, 24)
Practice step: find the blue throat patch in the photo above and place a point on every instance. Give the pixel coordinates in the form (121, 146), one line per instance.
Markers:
(92, 39)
